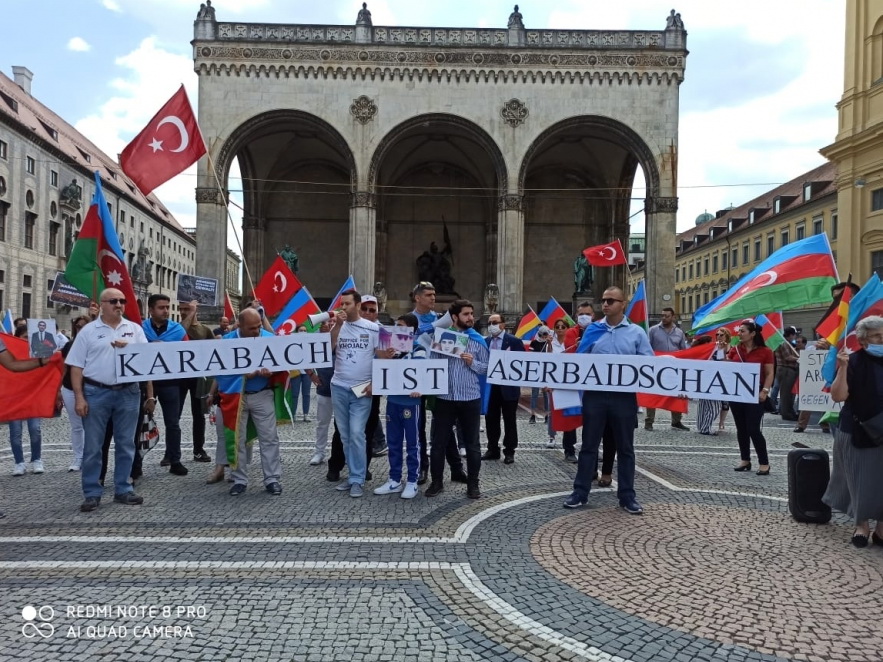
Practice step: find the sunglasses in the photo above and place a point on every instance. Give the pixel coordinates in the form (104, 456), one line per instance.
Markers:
(561, 327)
(610, 301)
(114, 302)
(369, 310)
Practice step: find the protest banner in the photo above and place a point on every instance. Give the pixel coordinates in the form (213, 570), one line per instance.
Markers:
(426, 377)
(232, 356)
(811, 383)
(197, 288)
(66, 294)
(661, 375)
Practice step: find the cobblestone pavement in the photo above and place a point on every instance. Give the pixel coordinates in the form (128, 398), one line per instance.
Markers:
(714, 570)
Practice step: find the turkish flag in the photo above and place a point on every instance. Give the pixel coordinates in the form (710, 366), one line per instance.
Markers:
(276, 287)
(606, 255)
(169, 144)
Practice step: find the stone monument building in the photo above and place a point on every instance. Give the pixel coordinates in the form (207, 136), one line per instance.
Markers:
(498, 152)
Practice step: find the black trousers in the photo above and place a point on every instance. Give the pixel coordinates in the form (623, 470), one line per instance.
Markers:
(447, 414)
(748, 418)
(608, 453)
(452, 452)
(786, 376)
(191, 386)
(498, 407)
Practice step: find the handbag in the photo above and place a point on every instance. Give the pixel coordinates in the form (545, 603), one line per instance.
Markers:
(149, 435)
(869, 433)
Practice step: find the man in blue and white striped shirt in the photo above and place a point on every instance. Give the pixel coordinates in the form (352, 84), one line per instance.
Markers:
(462, 402)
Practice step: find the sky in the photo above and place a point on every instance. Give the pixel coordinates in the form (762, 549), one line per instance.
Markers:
(757, 103)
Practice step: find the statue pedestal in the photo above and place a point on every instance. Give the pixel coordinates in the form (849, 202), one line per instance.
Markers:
(579, 297)
(443, 302)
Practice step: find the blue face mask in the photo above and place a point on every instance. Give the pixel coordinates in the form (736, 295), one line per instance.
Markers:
(875, 350)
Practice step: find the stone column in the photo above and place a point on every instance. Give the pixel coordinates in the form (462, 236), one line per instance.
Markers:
(362, 239)
(510, 253)
(660, 215)
(253, 235)
(211, 239)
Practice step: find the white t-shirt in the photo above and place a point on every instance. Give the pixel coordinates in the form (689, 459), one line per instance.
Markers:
(94, 353)
(355, 352)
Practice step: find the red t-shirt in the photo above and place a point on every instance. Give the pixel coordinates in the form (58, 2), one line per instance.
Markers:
(762, 355)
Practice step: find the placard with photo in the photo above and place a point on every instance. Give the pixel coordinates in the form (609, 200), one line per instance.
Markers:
(449, 342)
(399, 338)
(41, 338)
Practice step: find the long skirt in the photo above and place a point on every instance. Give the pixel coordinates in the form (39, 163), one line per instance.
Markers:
(856, 485)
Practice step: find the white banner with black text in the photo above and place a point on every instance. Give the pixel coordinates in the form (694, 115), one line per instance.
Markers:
(403, 377)
(812, 395)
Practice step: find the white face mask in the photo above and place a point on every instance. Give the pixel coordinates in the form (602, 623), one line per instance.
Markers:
(495, 329)
(584, 320)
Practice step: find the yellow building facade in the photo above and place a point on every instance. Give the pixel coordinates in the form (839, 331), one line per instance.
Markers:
(858, 149)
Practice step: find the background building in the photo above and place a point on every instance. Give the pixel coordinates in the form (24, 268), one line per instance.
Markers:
(46, 186)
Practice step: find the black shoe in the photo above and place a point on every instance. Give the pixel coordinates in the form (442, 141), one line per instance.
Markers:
(878, 540)
(573, 501)
(128, 499)
(509, 459)
(859, 540)
(368, 476)
(797, 444)
(90, 504)
(274, 489)
(422, 477)
(165, 462)
(178, 469)
(743, 467)
(680, 426)
(761, 472)
(136, 474)
(826, 429)
(459, 478)
(201, 456)
(435, 488)
(798, 429)
(472, 490)
(332, 476)
(237, 489)
(380, 451)
(532, 419)
(570, 457)
(491, 455)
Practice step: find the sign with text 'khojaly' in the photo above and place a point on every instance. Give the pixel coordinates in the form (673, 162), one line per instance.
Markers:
(660, 375)
(156, 361)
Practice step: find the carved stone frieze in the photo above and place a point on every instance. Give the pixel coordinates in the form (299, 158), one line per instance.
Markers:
(363, 109)
(510, 202)
(364, 199)
(514, 112)
(210, 195)
(661, 205)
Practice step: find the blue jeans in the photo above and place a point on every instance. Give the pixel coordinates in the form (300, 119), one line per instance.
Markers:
(617, 412)
(299, 387)
(351, 415)
(36, 436)
(123, 408)
(169, 395)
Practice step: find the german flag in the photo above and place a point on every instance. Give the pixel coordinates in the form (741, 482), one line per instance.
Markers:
(833, 322)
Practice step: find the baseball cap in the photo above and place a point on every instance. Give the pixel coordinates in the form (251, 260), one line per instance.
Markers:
(367, 298)
(543, 331)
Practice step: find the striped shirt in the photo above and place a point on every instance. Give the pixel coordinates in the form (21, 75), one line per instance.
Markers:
(463, 382)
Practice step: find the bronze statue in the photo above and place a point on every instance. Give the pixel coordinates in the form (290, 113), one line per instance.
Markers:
(290, 258)
(582, 275)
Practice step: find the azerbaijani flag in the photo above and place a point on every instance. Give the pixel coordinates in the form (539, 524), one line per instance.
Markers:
(637, 308)
(528, 326)
(553, 312)
(296, 312)
(799, 274)
(776, 319)
(833, 323)
(96, 260)
(772, 336)
(349, 284)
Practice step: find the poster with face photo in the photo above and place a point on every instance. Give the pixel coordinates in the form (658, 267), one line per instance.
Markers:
(41, 338)
(399, 338)
(449, 342)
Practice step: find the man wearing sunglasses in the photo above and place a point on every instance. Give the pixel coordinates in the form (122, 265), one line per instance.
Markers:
(98, 399)
(615, 410)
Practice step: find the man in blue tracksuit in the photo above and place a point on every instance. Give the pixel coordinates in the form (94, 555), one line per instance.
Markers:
(402, 423)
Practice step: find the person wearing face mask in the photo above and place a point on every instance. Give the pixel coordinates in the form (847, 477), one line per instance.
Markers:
(584, 315)
(503, 400)
(855, 487)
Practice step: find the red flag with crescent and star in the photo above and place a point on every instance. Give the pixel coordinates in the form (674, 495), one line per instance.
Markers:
(169, 144)
(606, 255)
(276, 287)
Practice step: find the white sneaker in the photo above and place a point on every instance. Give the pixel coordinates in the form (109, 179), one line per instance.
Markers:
(462, 452)
(19, 469)
(551, 443)
(37, 466)
(390, 487)
(75, 466)
(410, 491)
(318, 458)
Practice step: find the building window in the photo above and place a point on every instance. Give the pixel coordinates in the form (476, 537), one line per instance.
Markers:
(777, 205)
(683, 303)
(131, 221)
(691, 303)
(677, 276)
(31, 165)
(705, 267)
(1, 300)
(683, 273)
(714, 294)
(26, 281)
(877, 199)
(4, 210)
(122, 221)
(785, 237)
(691, 271)
(53, 178)
(801, 232)
(705, 298)
(876, 264)
(757, 250)
(2, 280)
(3, 150)
(25, 304)
(714, 263)
(53, 238)
(745, 254)
(30, 222)
(770, 244)
(724, 260)
(834, 225)
(818, 225)
(49, 302)
(807, 191)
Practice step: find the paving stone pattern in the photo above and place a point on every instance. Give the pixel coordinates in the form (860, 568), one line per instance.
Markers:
(715, 570)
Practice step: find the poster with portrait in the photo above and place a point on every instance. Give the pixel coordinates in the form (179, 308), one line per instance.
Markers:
(399, 338)
(449, 342)
(41, 338)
